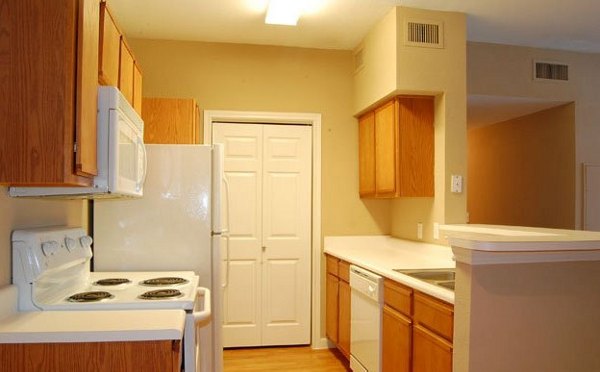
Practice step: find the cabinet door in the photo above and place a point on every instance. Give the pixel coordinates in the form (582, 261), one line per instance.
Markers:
(137, 88)
(332, 309)
(169, 120)
(366, 154)
(396, 341)
(110, 46)
(344, 318)
(385, 149)
(87, 88)
(431, 353)
(416, 148)
(126, 72)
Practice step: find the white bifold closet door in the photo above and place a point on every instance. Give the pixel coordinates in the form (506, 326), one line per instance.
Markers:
(267, 293)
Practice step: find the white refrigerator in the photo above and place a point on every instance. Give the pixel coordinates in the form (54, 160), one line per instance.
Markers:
(175, 226)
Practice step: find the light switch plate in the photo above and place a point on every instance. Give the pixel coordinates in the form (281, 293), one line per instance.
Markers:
(457, 182)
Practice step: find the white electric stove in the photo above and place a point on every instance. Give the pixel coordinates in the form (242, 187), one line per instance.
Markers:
(51, 269)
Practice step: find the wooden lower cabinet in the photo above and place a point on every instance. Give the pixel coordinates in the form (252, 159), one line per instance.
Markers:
(337, 326)
(331, 325)
(397, 341)
(132, 356)
(344, 318)
(431, 353)
(417, 331)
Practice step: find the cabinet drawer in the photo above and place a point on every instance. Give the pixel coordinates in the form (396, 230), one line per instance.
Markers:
(434, 314)
(344, 271)
(398, 297)
(332, 265)
(430, 353)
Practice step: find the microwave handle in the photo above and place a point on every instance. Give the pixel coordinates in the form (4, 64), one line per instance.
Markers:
(142, 179)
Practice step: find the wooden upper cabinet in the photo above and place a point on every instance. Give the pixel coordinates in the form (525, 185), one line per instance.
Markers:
(87, 88)
(49, 59)
(126, 72)
(110, 48)
(396, 149)
(386, 129)
(117, 65)
(415, 119)
(137, 88)
(366, 154)
(171, 120)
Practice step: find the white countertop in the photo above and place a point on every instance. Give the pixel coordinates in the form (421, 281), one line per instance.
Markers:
(518, 238)
(382, 254)
(86, 326)
(494, 244)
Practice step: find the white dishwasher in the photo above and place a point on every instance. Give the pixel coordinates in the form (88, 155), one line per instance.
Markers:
(365, 320)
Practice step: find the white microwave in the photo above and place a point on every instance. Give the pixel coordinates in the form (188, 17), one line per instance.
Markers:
(121, 154)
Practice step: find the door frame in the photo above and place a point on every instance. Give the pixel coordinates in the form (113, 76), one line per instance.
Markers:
(309, 119)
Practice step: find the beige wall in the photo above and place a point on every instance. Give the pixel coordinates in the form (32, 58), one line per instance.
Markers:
(267, 78)
(25, 213)
(502, 70)
(522, 172)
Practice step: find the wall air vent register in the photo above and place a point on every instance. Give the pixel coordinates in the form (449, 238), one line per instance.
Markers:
(555, 71)
(424, 33)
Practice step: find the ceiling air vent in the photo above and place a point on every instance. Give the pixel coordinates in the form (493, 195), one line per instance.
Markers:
(555, 71)
(421, 33)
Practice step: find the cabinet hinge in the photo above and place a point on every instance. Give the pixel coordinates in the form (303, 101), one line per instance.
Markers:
(75, 147)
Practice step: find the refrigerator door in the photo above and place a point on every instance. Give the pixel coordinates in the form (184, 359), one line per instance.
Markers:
(170, 227)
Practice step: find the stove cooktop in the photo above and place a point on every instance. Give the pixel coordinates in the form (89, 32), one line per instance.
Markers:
(126, 290)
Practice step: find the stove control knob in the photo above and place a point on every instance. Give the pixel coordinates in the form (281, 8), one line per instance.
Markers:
(50, 248)
(86, 241)
(70, 243)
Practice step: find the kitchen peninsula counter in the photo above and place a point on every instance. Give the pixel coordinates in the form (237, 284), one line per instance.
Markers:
(381, 254)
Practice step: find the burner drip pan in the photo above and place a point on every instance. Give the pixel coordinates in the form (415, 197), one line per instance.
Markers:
(93, 296)
(112, 281)
(160, 294)
(170, 280)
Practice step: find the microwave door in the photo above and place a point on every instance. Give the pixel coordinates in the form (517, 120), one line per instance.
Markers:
(127, 158)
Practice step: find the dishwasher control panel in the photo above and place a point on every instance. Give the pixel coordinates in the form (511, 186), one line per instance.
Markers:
(367, 283)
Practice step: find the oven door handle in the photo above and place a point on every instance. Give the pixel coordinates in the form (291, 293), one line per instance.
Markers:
(205, 313)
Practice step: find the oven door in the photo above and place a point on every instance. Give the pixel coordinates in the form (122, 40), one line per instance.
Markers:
(127, 156)
(197, 338)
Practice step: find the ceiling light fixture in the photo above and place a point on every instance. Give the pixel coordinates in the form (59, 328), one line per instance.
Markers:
(283, 12)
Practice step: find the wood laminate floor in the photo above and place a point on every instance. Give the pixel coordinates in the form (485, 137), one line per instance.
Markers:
(283, 359)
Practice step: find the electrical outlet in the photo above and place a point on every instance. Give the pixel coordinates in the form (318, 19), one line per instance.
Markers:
(457, 182)
(420, 231)
(436, 230)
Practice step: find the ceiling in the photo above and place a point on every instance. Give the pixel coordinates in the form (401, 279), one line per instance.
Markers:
(341, 24)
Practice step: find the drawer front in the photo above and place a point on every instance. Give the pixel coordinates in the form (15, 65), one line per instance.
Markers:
(433, 314)
(430, 352)
(332, 265)
(398, 297)
(344, 271)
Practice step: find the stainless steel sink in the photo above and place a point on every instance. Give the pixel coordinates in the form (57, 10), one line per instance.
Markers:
(441, 277)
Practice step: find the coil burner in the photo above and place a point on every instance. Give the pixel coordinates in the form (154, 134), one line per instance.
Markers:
(93, 296)
(171, 280)
(160, 294)
(112, 281)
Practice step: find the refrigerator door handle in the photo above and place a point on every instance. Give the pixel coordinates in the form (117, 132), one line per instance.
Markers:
(225, 231)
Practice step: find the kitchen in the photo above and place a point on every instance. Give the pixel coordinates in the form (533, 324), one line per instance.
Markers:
(322, 81)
